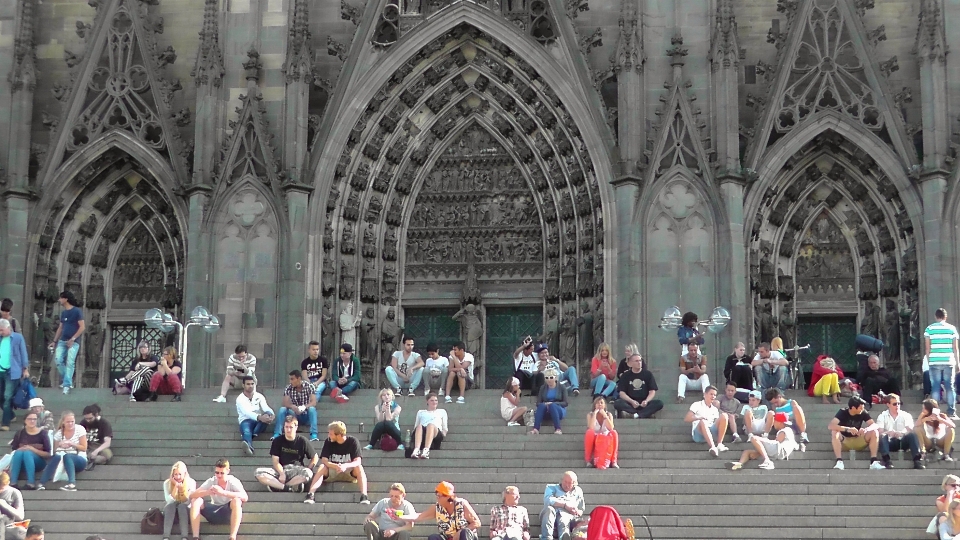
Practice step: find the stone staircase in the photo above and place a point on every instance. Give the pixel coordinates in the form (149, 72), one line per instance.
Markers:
(683, 491)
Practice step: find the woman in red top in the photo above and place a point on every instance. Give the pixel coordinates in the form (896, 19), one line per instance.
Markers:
(603, 372)
(826, 379)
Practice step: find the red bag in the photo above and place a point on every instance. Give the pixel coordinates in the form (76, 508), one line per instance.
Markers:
(605, 524)
(388, 443)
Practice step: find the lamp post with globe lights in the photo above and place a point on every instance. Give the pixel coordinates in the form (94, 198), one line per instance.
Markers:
(157, 319)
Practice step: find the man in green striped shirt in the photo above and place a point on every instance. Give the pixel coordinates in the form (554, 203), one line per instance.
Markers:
(940, 348)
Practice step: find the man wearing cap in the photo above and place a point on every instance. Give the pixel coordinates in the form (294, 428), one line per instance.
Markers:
(456, 519)
(14, 364)
(525, 364)
(99, 434)
(793, 411)
(345, 373)
(754, 415)
(545, 362)
(340, 461)
(142, 368)
(380, 523)
(300, 400)
(849, 432)
(45, 418)
(896, 433)
(779, 447)
(562, 505)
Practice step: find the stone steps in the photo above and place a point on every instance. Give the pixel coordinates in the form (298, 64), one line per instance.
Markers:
(662, 470)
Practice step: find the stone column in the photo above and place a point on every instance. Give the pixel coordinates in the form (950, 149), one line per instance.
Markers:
(16, 112)
(629, 268)
(292, 307)
(197, 290)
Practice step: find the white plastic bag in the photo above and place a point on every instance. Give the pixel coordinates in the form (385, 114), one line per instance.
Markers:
(5, 462)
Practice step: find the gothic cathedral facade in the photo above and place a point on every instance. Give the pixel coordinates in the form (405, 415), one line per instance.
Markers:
(360, 169)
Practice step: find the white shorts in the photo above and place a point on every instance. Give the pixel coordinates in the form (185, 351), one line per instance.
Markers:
(775, 450)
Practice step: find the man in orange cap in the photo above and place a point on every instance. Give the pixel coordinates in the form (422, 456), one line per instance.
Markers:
(780, 447)
(456, 519)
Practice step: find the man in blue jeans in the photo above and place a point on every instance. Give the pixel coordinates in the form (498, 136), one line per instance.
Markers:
(253, 413)
(67, 339)
(14, 365)
(940, 347)
(300, 400)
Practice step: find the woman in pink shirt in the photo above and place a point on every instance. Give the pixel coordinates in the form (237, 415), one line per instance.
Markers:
(603, 372)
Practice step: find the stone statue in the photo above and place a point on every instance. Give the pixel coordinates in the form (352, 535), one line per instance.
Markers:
(370, 335)
(568, 335)
(765, 315)
(787, 324)
(585, 339)
(329, 277)
(348, 278)
(471, 327)
(368, 282)
(891, 335)
(94, 345)
(870, 325)
(328, 335)
(889, 277)
(390, 333)
(868, 279)
(369, 246)
(598, 320)
(349, 321)
(551, 330)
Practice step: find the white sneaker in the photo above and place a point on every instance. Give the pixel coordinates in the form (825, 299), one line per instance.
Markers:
(877, 466)
(460, 400)
(440, 393)
(448, 399)
(721, 447)
(767, 465)
(219, 399)
(513, 424)
(715, 452)
(66, 390)
(427, 392)
(736, 437)
(839, 466)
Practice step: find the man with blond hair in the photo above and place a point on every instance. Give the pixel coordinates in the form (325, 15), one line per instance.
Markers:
(339, 462)
(509, 521)
(380, 523)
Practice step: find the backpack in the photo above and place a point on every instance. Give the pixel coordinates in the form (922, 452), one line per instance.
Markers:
(24, 393)
(152, 522)
(605, 524)
(388, 443)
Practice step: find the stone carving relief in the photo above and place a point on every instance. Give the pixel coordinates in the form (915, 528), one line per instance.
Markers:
(139, 275)
(474, 206)
(824, 264)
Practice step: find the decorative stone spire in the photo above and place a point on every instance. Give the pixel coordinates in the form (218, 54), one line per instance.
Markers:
(209, 66)
(677, 54)
(24, 70)
(725, 49)
(251, 68)
(931, 39)
(629, 53)
(299, 64)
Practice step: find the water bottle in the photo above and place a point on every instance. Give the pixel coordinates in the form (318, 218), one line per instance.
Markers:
(361, 427)
(408, 434)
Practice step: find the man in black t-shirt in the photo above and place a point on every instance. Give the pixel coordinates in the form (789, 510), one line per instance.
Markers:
(636, 390)
(339, 462)
(99, 437)
(738, 371)
(315, 368)
(289, 452)
(853, 429)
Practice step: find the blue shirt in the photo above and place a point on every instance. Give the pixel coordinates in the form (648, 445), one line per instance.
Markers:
(70, 323)
(554, 493)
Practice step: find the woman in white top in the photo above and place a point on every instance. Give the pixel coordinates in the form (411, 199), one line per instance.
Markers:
(430, 429)
(176, 494)
(388, 419)
(69, 446)
(601, 443)
(510, 408)
(949, 528)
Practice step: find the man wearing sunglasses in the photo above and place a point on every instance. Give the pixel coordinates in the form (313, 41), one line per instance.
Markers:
(896, 433)
(224, 502)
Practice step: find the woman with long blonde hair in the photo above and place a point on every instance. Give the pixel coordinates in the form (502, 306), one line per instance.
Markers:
(70, 447)
(949, 528)
(603, 372)
(387, 415)
(176, 493)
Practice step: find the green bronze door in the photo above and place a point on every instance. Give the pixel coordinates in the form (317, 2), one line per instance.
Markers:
(833, 336)
(431, 325)
(506, 328)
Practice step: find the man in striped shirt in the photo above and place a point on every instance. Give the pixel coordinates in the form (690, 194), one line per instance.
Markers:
(940, 347)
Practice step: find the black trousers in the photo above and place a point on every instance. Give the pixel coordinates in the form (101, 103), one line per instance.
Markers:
(644, 412)
(385, 428)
